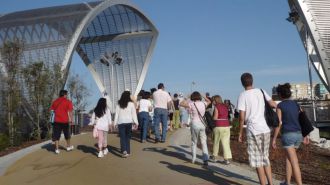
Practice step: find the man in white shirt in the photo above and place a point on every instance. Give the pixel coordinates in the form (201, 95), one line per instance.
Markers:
(251, 106)
(162, 100)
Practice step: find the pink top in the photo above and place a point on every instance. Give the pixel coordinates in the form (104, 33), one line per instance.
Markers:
(194, 114)
(222, 116)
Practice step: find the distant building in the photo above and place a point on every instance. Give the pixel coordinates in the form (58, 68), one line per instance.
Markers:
(321, 92)
(299, 91)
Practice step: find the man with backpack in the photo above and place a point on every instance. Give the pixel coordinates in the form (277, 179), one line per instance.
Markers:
(62, 108)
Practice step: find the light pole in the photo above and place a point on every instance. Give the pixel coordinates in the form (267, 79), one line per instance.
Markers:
(113, 59)
(192, 86)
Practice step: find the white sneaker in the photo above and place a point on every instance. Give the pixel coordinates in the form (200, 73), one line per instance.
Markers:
(105, 151)
(57, 151)
(100, 154)
(125, 154)
(69, 148)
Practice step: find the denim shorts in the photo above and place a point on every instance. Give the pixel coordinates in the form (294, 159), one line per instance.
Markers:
(291, 139)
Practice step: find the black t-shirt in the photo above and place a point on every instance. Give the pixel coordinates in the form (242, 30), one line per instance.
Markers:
(210, 105)
(176, 104)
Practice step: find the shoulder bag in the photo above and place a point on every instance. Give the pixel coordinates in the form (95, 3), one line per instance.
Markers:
(52, 113)
(305, 124)
(270, 115)
(208, 129)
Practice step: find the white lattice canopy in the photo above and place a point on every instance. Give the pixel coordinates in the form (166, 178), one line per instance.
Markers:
(95, 30)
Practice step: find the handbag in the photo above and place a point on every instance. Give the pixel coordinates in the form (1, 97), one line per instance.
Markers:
(203, 119)
(95, 132)
(305, 124)
(270, 115)
(209, 119)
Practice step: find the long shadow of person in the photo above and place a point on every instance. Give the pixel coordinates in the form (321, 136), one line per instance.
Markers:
(51, 147)
(199, 173)
(179, 155)
(167, 152)
(114, 150)
(88, 149)
(227, 173)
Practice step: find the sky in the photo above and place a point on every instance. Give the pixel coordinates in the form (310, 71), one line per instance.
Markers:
(210, 43)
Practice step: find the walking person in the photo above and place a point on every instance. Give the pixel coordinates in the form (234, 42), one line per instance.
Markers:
(183, 108)
(101, 120)
(162, 100)
(251, 106)
(176, 114)
(197, 109)
(62, 108)
(231, 109)
(221, 133)
(288, 112)
(144, 107)
(125, 120)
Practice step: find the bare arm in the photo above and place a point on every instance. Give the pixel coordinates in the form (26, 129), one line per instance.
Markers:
(241, 124)
(277, 129)
(208, 102)
(215, 114)
(70, 114)
(272, 103)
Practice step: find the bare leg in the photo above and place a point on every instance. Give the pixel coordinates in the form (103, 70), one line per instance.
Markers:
(68, 143)
(261, 175)
(292, 156)
(268, 171)
(288, 168)
(56, 144)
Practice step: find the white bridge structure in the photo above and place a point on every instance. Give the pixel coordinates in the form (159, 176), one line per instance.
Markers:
(114, 39)
(312, 19)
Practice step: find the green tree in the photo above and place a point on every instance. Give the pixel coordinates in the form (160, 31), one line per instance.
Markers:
(36, 78)
(55, 84)
(78, 92)
(11, 53)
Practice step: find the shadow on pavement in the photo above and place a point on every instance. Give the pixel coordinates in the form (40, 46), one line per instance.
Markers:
(51, 147)
(179, 149)
(115, 151)
(88, 149)
(231, 174)
(164, 151)
(205, 174)
(199, 173)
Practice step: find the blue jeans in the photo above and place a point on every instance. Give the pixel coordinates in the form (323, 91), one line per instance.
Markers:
(144, 122)
(161, 116)
(125, 133)
(291, 139)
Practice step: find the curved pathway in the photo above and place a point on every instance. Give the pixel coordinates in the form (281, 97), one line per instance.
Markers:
(154, 164)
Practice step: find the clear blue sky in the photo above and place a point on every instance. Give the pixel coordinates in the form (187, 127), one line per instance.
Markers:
(211, 42)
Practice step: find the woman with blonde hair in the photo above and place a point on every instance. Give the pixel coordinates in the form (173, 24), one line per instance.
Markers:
(222, 130)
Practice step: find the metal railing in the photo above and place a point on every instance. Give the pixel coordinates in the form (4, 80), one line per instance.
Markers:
(321, 118)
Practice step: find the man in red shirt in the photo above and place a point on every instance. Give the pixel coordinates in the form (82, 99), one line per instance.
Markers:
(63, 118)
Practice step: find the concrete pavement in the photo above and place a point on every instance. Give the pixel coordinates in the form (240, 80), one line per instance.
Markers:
(156, 164)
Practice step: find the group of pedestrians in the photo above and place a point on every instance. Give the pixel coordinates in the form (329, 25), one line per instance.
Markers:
(153, 107)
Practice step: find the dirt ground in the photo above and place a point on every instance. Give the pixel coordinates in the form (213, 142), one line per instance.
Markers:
(314, 161)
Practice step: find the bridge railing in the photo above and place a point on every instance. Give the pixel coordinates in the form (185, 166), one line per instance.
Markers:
(321, 118)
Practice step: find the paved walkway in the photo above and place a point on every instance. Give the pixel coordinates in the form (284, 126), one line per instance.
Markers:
(154, 164)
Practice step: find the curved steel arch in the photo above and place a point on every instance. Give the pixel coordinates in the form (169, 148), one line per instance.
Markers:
(72, 24)
(312, 19)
